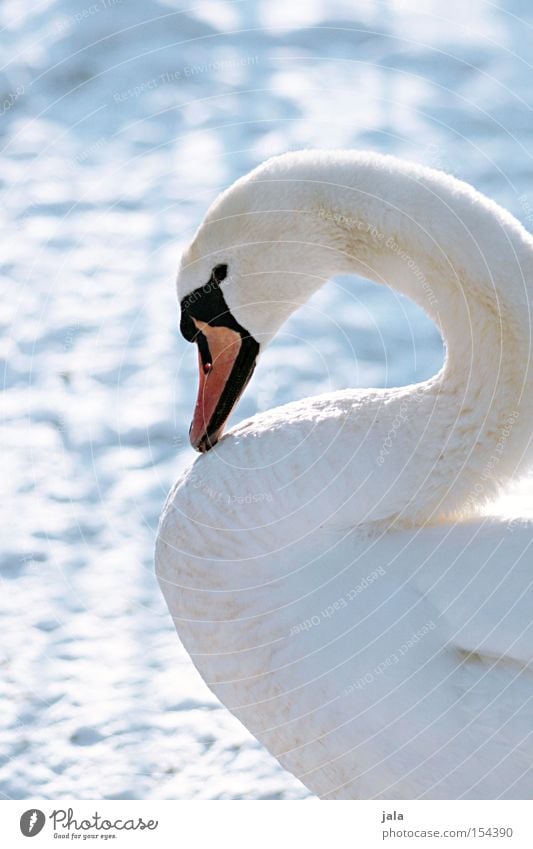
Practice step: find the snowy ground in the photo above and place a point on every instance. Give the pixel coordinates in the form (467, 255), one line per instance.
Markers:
(119, 122)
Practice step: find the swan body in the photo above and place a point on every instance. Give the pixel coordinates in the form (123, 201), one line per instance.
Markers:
(330, 565)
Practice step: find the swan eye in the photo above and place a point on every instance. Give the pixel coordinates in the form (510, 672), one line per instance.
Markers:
(220, 272)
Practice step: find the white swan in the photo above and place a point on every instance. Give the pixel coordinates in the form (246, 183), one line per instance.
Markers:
(327, 566)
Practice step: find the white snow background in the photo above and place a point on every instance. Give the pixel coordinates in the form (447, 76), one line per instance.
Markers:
(120, 120)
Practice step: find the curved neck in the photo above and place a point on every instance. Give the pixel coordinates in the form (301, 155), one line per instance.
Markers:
(469, 265)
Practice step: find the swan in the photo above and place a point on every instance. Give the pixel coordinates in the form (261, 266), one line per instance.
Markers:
(332, 566)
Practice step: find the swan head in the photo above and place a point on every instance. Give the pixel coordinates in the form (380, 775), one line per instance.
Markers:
(227, 355)
(254, 260)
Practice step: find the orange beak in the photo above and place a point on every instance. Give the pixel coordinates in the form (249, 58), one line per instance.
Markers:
(226, 361)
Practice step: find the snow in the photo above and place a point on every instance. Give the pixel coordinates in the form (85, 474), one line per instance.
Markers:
(120, 121)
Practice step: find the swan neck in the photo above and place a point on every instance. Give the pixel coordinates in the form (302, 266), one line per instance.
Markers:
(469, 265)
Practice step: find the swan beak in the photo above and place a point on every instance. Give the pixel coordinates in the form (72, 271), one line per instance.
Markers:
(226, 364)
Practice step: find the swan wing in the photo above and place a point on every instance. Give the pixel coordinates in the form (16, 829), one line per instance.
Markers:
(391, 665)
